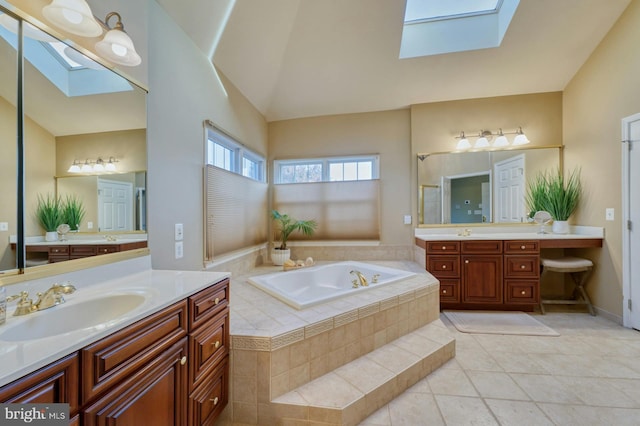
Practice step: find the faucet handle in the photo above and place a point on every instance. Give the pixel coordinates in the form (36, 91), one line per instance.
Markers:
(24, 306)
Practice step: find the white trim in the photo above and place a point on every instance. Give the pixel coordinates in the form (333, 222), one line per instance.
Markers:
(626, 241)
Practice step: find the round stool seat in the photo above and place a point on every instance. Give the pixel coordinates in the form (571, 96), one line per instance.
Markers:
(567, 264)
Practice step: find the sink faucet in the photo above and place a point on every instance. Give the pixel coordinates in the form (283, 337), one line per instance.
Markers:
(361, 277)
(51, 297)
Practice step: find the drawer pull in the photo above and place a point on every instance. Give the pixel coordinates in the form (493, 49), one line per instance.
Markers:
(466, 261)
(183, 360)
(444, 291)
(444, 247)
(216, 301)
(214, 400)
(216, 344)
(523, 292)
(522, 247)
(523, 266)
(444, 266)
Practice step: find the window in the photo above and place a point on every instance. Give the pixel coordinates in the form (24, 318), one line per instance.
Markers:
(329, 169)
(228, 154)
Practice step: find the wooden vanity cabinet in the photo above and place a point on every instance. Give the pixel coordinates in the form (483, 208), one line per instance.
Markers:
(55, 383)
(486, 274)
(170, 368)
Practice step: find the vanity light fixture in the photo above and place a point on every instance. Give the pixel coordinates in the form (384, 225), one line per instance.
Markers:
(75, 16)
(98, 166)
(485, 137)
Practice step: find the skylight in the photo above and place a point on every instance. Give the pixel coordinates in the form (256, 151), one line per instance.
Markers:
(433, 27)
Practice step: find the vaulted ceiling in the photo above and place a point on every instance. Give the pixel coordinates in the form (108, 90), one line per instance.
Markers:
(301, 58)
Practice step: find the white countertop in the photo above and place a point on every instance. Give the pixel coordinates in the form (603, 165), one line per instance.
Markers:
(102, 242)
(161, 289)
(524, 232)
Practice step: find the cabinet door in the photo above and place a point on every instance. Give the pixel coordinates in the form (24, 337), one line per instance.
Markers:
(57, 382)
(209, 399)
(482, 279)
(155, 395)
(444, 266)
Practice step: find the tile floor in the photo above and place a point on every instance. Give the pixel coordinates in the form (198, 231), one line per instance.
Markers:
(589, 375)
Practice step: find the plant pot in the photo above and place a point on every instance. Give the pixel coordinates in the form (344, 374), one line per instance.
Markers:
(51, 236)
(560, 227)
(279, 256)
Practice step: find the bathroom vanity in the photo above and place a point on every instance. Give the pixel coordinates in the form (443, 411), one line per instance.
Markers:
(61, 251)
(164, 362)
(493, 270)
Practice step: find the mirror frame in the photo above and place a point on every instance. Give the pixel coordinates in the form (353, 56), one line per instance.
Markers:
(21, 273)
(421, 156)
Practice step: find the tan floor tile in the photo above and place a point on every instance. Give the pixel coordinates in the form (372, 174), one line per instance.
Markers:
(379, 418)
(331, 391)
(413, 409)
(451, 382)
(545, 388)
(476, 360)
(630, 387)
(590, 416)
(522, 363)
(393, 358)
(597, 392)
(462, 410)
(521, 413)
(496, 385)
(365, 374)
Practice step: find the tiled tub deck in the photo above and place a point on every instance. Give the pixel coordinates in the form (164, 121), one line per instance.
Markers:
(334, 363)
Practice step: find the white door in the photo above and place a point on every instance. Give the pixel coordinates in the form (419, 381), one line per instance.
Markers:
(115, 206)
(631, 220)
(510, 190)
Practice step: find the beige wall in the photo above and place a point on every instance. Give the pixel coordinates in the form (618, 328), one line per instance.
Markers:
(183, 92)
(606, 89)
(385, 133)
(129, 147)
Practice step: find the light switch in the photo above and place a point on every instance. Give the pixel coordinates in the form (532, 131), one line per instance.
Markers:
(609, 214)
(407, 219)
(89, 225)
(4, 226)
(179, 250)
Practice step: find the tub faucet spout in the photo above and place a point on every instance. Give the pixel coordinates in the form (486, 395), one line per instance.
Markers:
(361, 277)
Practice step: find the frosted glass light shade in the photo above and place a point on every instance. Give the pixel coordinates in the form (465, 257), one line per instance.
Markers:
(463, 144)
(86, 168)
(75, 168)
(481, 142)
(521, 139)
(110, 167)
(117, 47)
(72, 16)
(501, 141)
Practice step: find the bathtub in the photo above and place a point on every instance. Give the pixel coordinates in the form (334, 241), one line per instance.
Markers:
(310, 286)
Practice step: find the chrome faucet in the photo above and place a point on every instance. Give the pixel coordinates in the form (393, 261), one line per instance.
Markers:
(51, 297)
(363, 280)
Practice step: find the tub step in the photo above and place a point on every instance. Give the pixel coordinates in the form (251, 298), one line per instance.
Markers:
(349, 394)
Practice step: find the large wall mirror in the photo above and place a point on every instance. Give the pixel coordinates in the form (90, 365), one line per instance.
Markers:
(486, 186)
(74, 112)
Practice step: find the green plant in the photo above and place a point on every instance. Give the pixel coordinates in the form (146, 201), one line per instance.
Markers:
(288, 225)
(49, 212)
(553, 193)
(73, 212)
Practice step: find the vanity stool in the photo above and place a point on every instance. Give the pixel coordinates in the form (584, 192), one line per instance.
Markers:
(580, 269)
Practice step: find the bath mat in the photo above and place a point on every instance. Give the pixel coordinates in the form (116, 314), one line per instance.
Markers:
(490, 322)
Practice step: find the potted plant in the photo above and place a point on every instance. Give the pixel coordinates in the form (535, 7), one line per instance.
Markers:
(73, 212)
(552, 193)
(288, 225)
(49, 215)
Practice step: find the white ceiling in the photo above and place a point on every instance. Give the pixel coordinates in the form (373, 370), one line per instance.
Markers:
(301, 58)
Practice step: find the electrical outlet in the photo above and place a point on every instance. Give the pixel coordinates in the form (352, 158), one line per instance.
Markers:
(407, 219)
(179, 250)
(4, 226)
(89, 225)
(178, 232)
(609, 214)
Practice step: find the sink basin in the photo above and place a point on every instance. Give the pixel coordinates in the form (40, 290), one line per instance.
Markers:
(66, 318)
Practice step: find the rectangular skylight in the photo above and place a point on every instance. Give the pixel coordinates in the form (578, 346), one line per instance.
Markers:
(420, 10)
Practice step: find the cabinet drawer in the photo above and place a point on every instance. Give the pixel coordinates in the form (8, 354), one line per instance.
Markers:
(521, 291)
(209, 399)
(207, 346)
(482, 247)
(58, 250)
(119, 355)
(105, 249)
(449, 290)
(444, 266)
(434, 247)
(207, 303)
(78, 251)
(521, 266)
(521, 246)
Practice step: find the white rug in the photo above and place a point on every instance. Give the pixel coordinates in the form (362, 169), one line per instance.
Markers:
(490, 322)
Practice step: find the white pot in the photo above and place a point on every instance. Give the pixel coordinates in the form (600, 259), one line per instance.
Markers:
(560, 227)
(51, 236)
(279, 256)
